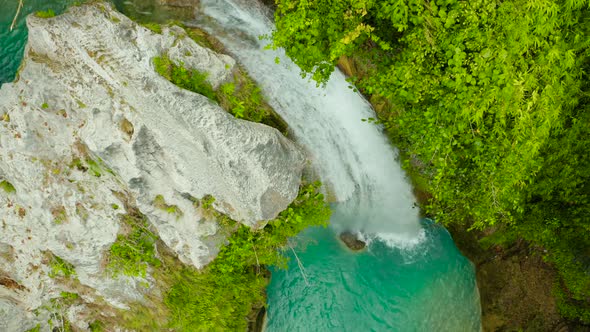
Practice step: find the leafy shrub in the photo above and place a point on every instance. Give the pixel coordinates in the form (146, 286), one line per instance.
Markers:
(469, 94)
(45, 14)
(133, 252)
(96, 326)
(67, 296)
(155, 27)
(224, 293)
(241, 97)
(207, 201)
(189, 79)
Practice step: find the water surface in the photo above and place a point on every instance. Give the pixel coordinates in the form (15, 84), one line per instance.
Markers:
(12, 43)
(430, 287)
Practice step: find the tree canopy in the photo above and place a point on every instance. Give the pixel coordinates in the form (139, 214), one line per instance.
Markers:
(490, 99)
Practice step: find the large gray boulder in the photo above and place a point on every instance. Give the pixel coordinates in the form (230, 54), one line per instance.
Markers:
(89, 126)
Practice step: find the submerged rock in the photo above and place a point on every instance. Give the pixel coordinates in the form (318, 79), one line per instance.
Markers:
(352, 241)
(89, 130)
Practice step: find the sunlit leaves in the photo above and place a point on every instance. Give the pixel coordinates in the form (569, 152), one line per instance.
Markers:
(487, 95)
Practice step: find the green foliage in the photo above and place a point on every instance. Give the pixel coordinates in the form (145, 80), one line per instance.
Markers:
(206, 301)
(221, 296)
(489, 99)
(37, 328)
(236, 107)
(571, 308)
(58, 322)
(155, 27)
(45, 14)
(161, 204)
(203, 38)
(69, 297)
(77, 163)
(207, 201)
(96, 326)
(192, 80)
(60, 268)
(44, 106)
(241, 97)
(94, 167)
(134, 251)
(7, 187)
(245, 103)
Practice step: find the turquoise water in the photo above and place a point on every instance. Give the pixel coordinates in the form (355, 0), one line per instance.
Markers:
(430, 287)
(12, 43)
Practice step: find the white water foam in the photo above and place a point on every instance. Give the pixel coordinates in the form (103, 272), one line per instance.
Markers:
(353, 158)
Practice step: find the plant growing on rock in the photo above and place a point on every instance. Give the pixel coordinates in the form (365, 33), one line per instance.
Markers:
(189, 79)
(160, 203)
(134, 251)
(207, 201)
(222, 295)
(61, 268)
(241, 97)
(7, 187)
(45, 14)
(154, 27)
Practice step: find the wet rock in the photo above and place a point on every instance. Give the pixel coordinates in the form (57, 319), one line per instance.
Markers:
(352, 241)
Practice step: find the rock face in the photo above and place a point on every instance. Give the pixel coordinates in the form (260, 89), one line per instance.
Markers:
(88, 128)
(352, 241)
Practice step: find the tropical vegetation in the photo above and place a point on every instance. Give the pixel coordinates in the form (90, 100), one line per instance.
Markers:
(487, 99)
(222, 295)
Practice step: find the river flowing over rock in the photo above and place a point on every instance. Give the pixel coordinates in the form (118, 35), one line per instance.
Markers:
(89, 130)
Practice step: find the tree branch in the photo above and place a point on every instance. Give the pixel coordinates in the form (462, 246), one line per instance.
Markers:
(20, 5)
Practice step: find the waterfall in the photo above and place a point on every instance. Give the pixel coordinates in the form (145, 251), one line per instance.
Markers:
(353, 158)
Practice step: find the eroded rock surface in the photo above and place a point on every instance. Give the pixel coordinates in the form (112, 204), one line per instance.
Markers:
(89, 127)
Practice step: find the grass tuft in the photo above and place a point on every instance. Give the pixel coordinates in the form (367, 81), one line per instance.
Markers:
(189, 79)
(7, 187)
(134, 251)
(45, 14)
(61, 268)
(155, 27)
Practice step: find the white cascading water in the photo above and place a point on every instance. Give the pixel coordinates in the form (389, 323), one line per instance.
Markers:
(353, 158)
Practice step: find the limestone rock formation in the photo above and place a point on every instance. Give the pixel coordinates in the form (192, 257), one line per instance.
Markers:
(89, 130)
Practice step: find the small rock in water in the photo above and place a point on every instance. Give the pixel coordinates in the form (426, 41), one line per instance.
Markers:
(352, 241)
